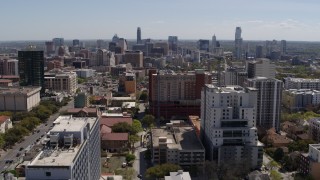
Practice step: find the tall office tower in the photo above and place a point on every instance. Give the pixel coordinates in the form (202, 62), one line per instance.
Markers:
(9, 67)
(139, 36)
(115, 38)
(72, 152)
(214, 42)
(49, 47)
(269, 101)
(238, 43)
(261, 67)
(259, 51)
(176, 94)
(76, 42)
(283, 48)
(100, 43)
(31, 68)
(57, 42)
(228, 125)
(123, 44)
(203, 45)
(173, 43)
(234, 76)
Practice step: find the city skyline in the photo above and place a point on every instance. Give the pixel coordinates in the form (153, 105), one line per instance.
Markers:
(37, 20)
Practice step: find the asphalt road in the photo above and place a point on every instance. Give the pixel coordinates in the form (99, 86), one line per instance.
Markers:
(139, 165)
(29, 140)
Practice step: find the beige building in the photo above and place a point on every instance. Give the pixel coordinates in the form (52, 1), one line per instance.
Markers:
(127, 83)
(19, 98)
(61, 81)
(5, 123)
(135, 58)
(177, 144)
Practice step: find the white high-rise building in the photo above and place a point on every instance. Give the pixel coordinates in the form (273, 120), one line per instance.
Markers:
(228, 125)
(73, 151)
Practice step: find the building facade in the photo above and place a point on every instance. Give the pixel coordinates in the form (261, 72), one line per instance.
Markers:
(61, 81)
(135, 58)
(261, 68)
(19, 99)
(268, 110)
(228, 125)
(31, 68)
(73, 151)
(9, 67)
(238, 44)
(301, 83)
(176, 94)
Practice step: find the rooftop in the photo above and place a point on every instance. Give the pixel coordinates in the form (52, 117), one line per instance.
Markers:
(302, 80)
(4, 119)
(183, 138)
(180, 175)
(228, 89)
(115, 136)
(19, 90)
(110, 121)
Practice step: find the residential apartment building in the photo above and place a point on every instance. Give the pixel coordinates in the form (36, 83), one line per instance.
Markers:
(228, 125)
(234, 76)
(299, 99)
(177, 144)
(19, 98)
(104, 58)
(261, 67)
(72, 151)
(268, 110)
(310, 162)
(176, 94)
(60, 81)
(85, 73)
(301, 83)
(314, 129)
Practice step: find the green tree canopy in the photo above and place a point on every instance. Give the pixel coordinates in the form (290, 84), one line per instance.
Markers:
(278, 154)
(159, 171)
(130, 157)
(122, 127)
(143, 96)
(136, 126)
(148, 120)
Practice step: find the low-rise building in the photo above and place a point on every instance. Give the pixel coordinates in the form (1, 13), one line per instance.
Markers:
(5, 123)
(5, 82)
(299, 99)
(314, 129)
(301, 83)
(84, 112)
(177, 144)
(19, 98)
(180, 175)
(85, 73)
(61, 81)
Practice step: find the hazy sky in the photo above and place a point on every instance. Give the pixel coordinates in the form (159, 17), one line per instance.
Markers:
(188, 19)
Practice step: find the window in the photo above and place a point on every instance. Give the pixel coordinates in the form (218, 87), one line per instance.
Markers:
(48, 173)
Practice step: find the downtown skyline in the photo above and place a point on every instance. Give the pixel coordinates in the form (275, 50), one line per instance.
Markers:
(36, 20)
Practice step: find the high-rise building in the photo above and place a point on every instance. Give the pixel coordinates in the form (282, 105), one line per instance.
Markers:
(259, 51)
(283, 48)
(173, 43)
(50, 47)
(100, 43)
(238, 43)
(135, 58)
(31, 68)
(176, 93)
(76, 42)
(214, 41)
(261, 67)
(104, 58)
(127, 83)
(203, 45)
(71, 152)
(139, 36)
(57, 42)
(228, 125)
(269, 101)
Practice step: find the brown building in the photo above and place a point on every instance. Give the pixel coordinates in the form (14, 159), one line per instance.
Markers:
(9, 67)
(55, 64)
(5, 82)
(127, 83)
(135, 58)
(177, 94)
(84, 112)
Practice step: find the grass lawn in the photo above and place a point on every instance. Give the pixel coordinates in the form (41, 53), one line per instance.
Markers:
(114, 166)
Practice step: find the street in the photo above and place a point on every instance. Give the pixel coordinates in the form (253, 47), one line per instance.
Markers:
(140, 164)
(30, 140)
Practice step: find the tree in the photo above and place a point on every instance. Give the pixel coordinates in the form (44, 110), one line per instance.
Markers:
(159, 171)
(130, 157)
(143, 96)
(278, 154)
(275, 175)
(148, 120)
(2, 142)
(122, 127)
(133, 139)
(136, 126)
(301, 145)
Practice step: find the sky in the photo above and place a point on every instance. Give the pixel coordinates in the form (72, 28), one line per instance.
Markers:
(292, 20)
